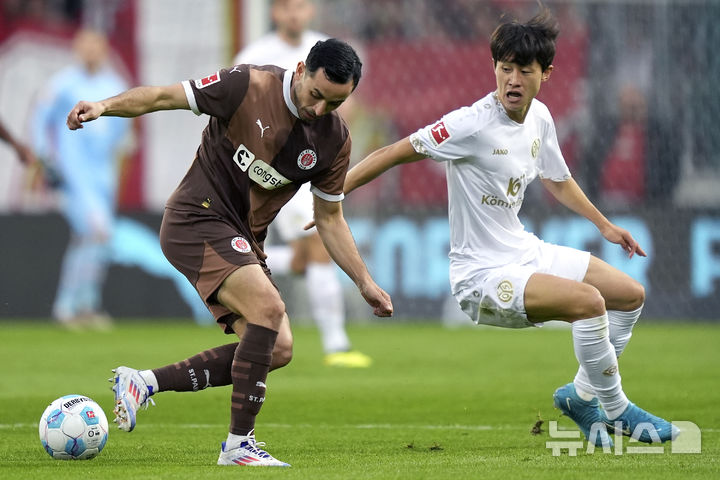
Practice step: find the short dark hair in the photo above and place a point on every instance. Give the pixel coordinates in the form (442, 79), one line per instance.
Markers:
(522, 43)
(340, 61)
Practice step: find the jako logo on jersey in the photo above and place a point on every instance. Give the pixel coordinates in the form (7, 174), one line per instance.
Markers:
(240, 244)
(439, 133)
(307, 159)
(500, 151)
(209, 80)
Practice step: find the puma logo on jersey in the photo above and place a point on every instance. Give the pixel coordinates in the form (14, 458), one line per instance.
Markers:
(262, 129)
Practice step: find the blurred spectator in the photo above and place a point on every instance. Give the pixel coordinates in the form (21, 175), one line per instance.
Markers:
(303, 251)
(623, 172)
(86, 165)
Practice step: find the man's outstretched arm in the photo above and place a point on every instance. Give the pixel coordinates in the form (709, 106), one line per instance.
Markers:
(131, 103)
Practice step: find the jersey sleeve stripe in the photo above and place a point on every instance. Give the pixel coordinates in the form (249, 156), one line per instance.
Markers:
(326, 196)
(191, 97)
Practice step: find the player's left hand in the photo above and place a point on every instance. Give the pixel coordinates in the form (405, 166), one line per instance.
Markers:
(623, 238)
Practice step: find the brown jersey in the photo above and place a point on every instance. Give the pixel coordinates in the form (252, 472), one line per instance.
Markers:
(255, 151)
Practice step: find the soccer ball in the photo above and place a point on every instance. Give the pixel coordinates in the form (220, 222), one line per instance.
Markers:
(73, 427)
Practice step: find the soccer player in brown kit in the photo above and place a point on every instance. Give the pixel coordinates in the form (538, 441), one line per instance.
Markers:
(270, 131)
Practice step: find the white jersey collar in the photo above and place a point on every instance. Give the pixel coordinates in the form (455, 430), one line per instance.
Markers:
(287, 83)
(501, 108)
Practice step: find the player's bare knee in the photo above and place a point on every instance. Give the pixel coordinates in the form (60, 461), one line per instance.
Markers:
(636, 292)
(592, 304)
(271, 312)
(282, 353)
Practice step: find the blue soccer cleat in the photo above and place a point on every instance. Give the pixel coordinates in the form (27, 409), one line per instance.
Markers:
(587, 415)
(131, 394)
(643, 426)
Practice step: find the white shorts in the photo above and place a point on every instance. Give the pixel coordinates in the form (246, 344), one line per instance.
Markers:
(498, 295)
(294, 215)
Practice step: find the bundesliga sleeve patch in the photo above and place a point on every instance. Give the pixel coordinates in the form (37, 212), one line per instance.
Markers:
(439, 133)
(209, 80)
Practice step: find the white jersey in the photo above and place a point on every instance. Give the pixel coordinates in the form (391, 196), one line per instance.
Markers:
(270, 49)
(490, 160)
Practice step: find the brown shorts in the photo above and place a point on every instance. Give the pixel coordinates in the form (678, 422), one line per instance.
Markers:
(207, 250)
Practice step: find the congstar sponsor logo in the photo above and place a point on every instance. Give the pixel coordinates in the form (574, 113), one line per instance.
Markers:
(258, 170)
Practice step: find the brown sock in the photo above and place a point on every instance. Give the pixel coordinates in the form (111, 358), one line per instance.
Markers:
(249, 371)
(210, 368)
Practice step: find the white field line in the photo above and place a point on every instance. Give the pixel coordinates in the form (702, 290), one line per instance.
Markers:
(368, 426)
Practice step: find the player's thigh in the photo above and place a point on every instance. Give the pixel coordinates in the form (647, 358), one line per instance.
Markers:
(549, 297)
(249, 292)
(620, 291)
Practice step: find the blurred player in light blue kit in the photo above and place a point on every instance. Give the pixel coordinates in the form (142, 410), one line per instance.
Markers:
(86, 166)
(302, 252)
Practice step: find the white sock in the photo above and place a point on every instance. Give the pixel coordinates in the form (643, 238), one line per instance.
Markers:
(150, 381)
(234, 441)
(621, 325)
(597, 358)
(279, 258)
(327, 306)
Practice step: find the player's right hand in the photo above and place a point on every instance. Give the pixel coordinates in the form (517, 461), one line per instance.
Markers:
(83, 112)
(377, 298)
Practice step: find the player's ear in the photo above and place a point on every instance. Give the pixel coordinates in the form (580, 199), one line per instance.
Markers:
(299, 72)
(546, 73)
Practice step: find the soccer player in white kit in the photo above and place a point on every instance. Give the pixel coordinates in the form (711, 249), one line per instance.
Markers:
(505, 276)
(302, 250)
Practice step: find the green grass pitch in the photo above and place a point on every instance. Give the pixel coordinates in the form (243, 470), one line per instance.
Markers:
(437, 403)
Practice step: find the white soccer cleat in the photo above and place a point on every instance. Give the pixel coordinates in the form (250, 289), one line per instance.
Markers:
(248, 454)
(131, 393)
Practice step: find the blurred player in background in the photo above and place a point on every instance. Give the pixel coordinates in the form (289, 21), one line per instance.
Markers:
(303, 251)
(25, 155)
(86, 166)
(503, 275)
(270, 131)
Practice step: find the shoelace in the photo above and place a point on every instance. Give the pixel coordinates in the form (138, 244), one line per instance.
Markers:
(253, 445)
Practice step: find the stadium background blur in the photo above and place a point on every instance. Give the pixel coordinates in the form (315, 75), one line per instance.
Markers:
(632, 97)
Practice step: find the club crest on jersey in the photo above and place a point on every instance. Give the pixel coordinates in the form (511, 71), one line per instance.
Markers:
(307, 159)
(535, 149)
(240, 244)
(209, 80)
(439, 133)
